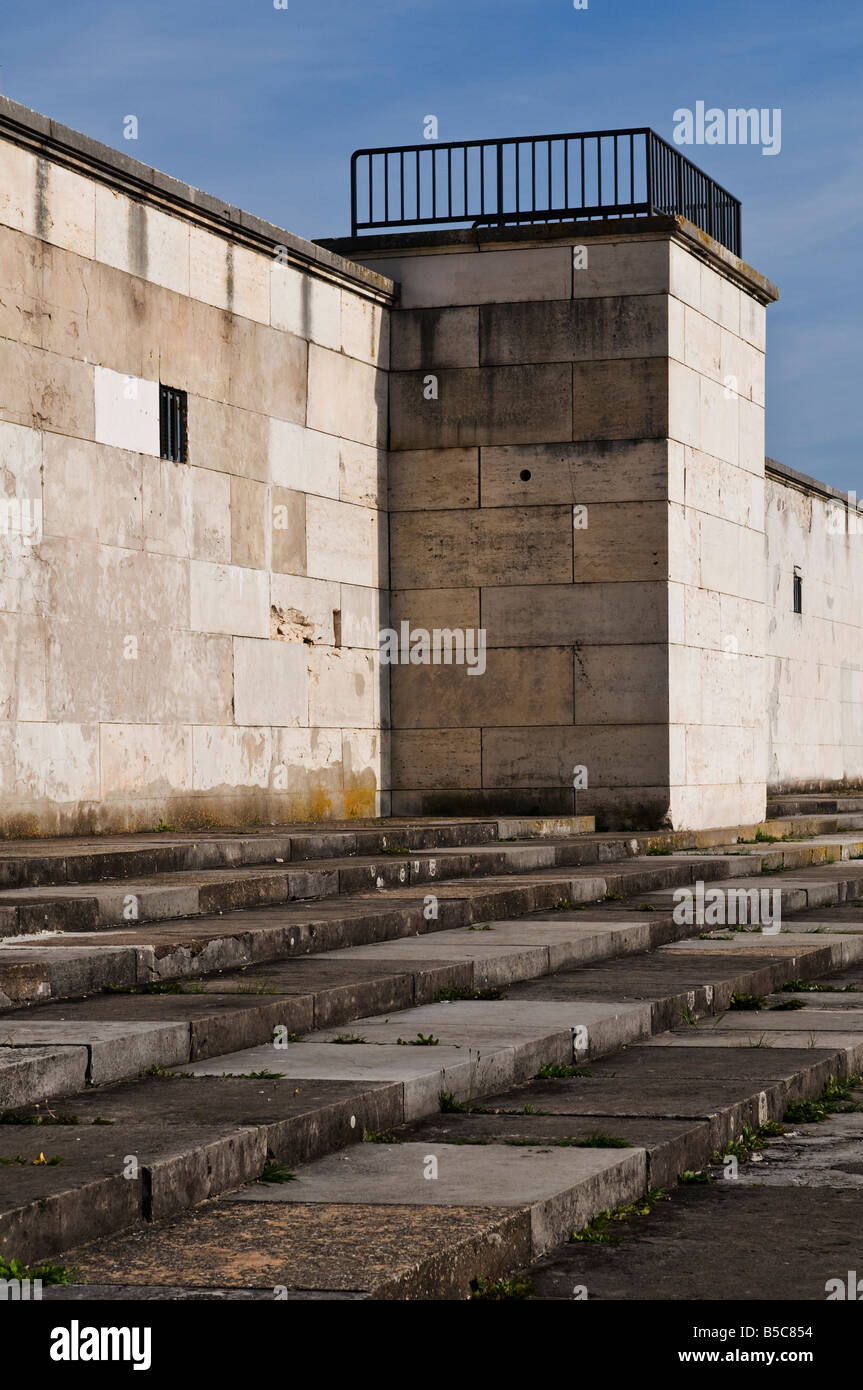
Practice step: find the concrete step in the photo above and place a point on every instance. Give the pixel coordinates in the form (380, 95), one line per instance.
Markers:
(102, 905)
(482, 1047)
(527, 1166)
(25, 863)
(814, 804)
(61, 964)
(57, 965)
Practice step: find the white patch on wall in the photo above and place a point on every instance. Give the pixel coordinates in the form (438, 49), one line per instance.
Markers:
(127, 412)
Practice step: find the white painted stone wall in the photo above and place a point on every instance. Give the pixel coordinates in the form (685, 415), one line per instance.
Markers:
(716, 677)
(815, 659)
(194, 641)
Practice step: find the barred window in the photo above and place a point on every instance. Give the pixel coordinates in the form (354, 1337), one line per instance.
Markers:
(172, 424)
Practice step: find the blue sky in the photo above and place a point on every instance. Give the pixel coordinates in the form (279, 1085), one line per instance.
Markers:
(263, 107)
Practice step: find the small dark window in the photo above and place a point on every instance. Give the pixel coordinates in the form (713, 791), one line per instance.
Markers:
(172, 424)
(798, 593)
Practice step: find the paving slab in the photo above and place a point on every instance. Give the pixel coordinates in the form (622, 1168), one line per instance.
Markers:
(110, 1177)
(343, 989)
(818, 952)
(44, 1072)
(765, 1244)
(812, 1019)
(676, 985)
(728, 1087)
(114, 1051)
(301, 1119)
(561, 1188)
(31, 971)
(493, 964)
(847, 1048)
(828, 1154)
(422, 1071)
(672, 1146)
(211, 1023)
(396, 1252)
(538, 1032)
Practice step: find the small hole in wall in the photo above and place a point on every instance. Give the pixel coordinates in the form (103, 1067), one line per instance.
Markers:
(525, 475)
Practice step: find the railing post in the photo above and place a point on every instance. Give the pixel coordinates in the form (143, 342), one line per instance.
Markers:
(648, 146)
(500, 182)
(354, 158)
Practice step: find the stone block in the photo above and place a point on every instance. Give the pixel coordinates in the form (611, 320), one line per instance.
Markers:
(702, 340)
(92, 493)
(250, 504)
(442, 608)
(501, 545)
(567, 614)
(486, 277)
(46, 391)
(270, 683)
(574, 330)
(519, 684)
(435, 479)
(614, 755)
(363, 615)
(145, 760)
(22, 308)
(18, 200)
(164, 255)
(22, 667)
(232, 759)
(364, 329)
(304, 610)
(305, 306)
(345, 543)
(489, 405)
(594, 471)
(127, 590)
(427, 759)
(742, 367)
(187, 511)
(304, 460)
(424, 339)
(226, 598)
(266, 370)
(57, 762)
(362, 474)
(620, 400)
(720, 299)
(684, 275)
(626, 267)
(622, 541)
(112, 229)
(343, 689)
(288, 531)
(229, 440)
(208, 268)
(621, 685)
(127, 412)
(70, 211)
(346, 397)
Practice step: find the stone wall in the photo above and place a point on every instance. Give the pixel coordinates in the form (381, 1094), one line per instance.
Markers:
(576, 467)
(815, 658)
(188, 641)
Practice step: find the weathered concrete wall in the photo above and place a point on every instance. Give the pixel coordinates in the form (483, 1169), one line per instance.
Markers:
(575, 424)
(815, 658)
(716, 545)
(586, 485)
(190, 641)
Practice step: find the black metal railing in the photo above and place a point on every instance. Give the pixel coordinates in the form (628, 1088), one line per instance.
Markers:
(542, 178)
